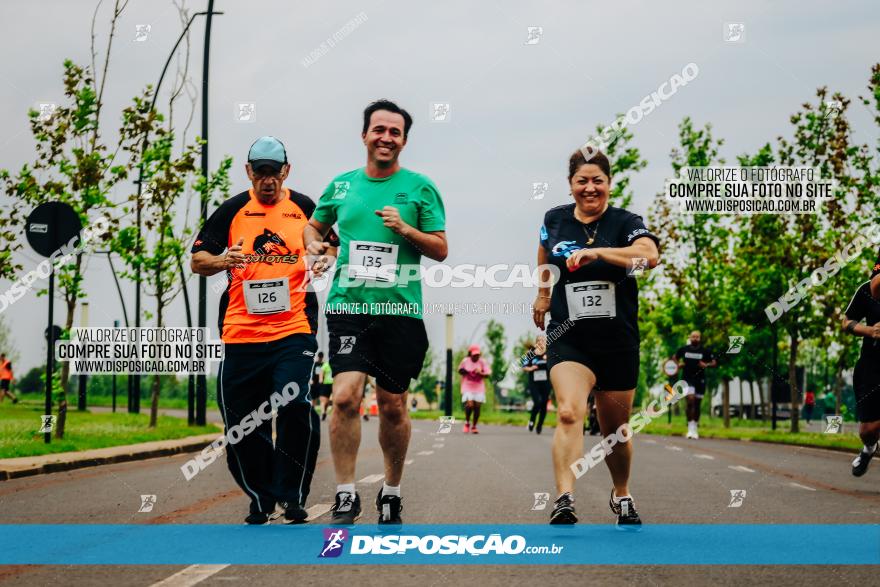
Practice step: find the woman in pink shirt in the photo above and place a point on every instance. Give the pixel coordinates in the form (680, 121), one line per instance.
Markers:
(473, 370)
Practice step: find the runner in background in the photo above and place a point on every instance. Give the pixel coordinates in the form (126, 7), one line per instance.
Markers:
(369, 386)
(325, 390)
(539, 383)
(809, 404)
(695, 358)
(6, 379)
(473, 370)
(864, 305)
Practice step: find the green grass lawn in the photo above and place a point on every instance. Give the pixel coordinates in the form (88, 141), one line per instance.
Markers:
(19, 425)
(754, 430)
(121, 401)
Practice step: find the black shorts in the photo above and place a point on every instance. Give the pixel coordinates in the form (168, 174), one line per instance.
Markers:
(614, 370)
(324, 389)
(390, 348)
(866, 385)
(698, 385)
(4, 384)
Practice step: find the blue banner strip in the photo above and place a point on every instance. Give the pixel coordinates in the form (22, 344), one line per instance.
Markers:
(585, 544)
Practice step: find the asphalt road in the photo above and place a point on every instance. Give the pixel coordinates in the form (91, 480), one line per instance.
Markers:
(489, 478)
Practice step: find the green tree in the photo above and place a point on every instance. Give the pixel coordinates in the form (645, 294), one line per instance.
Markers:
(428, 378)
(165, 175)
(496, 341)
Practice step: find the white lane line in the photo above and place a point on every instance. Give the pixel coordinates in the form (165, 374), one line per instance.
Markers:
(372, 478)
(424, 453)
(191, 575)
(409, 462)
(649, 441)
(740, 468)
(707, 457)
(671, 447)
(798, 485)
(437, 445)
(318, 510)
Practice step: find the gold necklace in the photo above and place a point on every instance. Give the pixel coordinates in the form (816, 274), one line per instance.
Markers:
(590, 239)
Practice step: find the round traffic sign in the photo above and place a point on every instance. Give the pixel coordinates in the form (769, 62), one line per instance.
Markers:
(670, 367)
(51, 225)
(56, 332)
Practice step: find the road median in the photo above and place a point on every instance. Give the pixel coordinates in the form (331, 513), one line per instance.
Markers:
(66, 461)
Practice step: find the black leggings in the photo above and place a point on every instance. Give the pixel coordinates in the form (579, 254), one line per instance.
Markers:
(540, 394)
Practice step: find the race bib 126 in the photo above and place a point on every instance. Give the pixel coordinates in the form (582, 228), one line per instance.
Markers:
(267, 296)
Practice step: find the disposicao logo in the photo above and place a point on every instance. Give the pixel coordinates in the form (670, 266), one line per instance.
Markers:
(334, 539)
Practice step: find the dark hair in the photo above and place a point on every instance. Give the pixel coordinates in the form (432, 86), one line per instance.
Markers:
(598, 158)
(390, 107)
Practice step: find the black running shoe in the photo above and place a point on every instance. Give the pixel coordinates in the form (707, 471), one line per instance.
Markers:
(347, 508)
(294, 513)
(861, 462)
(531, 426)
(563, 513)
(323, 416)
(257, 518)
(389, 508)
(627, 516)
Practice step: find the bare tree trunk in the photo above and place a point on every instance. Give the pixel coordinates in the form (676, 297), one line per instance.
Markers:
(70, 302)
(157, 383)
(838, 388)
(764, 398)
(792, 382)
(752, 385)
(741, 404)
(726, 402)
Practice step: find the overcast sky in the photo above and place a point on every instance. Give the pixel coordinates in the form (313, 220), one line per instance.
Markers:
(517, 110)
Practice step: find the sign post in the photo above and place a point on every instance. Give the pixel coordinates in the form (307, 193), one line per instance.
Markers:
(670, 367)
(49, 226)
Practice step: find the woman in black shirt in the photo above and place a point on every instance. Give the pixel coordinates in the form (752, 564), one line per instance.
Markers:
(539, 383)
(593, 334)
(866, 375)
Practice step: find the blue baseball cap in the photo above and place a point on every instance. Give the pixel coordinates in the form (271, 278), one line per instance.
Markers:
(267, 152)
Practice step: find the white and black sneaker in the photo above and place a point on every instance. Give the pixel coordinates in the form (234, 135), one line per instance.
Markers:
(563, 512)
(861, 462)
(347, 508)
(389, 507)
(627, 516)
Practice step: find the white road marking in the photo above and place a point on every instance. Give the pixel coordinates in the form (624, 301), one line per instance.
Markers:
(424, 453)
(649, 441)
(740, 468)
(191, 575)
(318, 510)
(437, 446)
(409, 462)
(707, 457)
(672, 447)
(798, 485)
(372, 478)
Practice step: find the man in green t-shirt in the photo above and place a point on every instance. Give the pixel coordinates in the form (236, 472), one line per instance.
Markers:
(387, 218)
